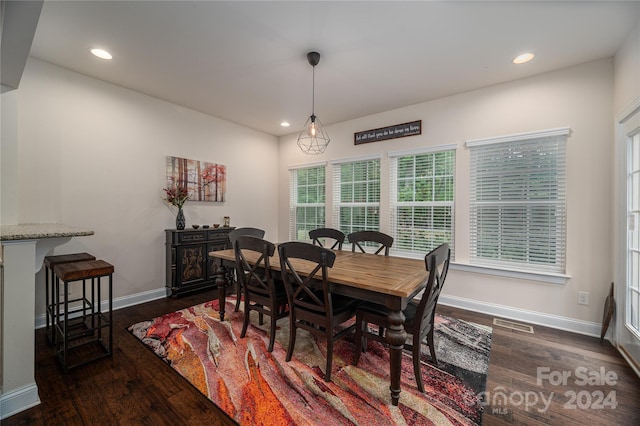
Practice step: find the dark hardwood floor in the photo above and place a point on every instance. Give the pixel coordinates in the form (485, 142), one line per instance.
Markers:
(136, 387)
(582, 382)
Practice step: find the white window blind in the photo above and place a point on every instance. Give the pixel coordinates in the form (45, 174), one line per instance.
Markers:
(356, 192)
(517, 200)
(422, 200)
(307, 201)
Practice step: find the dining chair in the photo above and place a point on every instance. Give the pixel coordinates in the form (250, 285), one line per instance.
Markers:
(238, 232)
(262, 293)
(419, 317)
(360, 237)
(333, 234)
(312, 306)
(233, 236)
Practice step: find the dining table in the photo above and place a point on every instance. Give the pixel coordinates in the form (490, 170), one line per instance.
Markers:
(388, 280)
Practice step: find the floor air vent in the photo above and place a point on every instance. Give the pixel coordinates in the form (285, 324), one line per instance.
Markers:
(513, 325)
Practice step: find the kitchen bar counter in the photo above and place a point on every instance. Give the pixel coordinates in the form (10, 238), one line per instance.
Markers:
(31, 231)
(24, 248)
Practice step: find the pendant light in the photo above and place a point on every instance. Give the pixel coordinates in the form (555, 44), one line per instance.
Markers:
(313, 139)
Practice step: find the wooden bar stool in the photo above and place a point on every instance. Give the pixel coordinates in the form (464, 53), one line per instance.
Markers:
(52, 298)
(83, 331)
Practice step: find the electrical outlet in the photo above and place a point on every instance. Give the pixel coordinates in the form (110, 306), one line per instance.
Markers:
(583, 298)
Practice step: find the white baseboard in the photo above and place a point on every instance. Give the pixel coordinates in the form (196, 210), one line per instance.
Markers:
(532, 317)
(120, 302)
(547, 320)
(18, 400)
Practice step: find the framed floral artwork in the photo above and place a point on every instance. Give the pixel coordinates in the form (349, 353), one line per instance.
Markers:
(203, 181)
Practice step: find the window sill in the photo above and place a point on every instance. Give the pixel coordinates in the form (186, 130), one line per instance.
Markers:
(510, 273)
(547, 277)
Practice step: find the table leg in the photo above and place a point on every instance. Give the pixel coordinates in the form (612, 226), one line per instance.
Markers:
(396, 336)
(222, 283)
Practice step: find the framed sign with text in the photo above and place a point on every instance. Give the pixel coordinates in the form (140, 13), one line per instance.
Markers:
(390, 132)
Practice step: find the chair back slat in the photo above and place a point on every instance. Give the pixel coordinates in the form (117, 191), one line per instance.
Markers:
(255, 277)
(419, 318)
(311, 304)
(360, 237)
(437, 264)
(309, 292)
(233, 236)
(263, 293)
(320, 234)
(246, 231)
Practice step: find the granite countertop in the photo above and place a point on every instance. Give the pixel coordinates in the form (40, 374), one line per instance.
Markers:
(32, 231)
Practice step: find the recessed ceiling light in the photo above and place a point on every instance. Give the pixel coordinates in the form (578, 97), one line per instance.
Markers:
(521, 59)
(102, 54)
(285, 124)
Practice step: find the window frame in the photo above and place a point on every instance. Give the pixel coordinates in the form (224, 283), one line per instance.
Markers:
(294, 204)
(394, 204)
(530, 205)
(632, 210)
(338, 204)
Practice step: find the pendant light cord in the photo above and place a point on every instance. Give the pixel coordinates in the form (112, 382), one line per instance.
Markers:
(313, 91)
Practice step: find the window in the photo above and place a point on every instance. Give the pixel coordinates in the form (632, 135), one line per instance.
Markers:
(517, 200)
(307, 202)
(422, 195)
(356, 192)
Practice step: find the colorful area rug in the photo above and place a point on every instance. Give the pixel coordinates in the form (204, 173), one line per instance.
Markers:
(255, 387)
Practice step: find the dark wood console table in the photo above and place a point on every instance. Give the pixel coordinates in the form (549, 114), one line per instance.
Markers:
(188, 266)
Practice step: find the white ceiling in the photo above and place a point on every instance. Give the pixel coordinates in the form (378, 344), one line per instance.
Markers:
(246, 61)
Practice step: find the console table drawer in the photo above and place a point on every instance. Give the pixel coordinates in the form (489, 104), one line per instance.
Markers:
(218, 234)
(192, 237)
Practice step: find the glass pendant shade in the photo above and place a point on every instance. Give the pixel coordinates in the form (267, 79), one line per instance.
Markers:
(313, 139)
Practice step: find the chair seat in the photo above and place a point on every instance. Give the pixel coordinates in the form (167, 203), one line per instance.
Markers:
(281, 292)
(279, 286)
(382, 311)
(344, 303)
(340, 303)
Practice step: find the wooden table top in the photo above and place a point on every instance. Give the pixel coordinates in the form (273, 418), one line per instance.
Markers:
(389, 275)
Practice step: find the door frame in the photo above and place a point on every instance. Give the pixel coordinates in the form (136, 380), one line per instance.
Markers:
(620, 335)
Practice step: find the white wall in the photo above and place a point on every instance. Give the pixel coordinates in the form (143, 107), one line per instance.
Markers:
(627, 71)
(579, 97)
(93, 155)
(8, 155)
